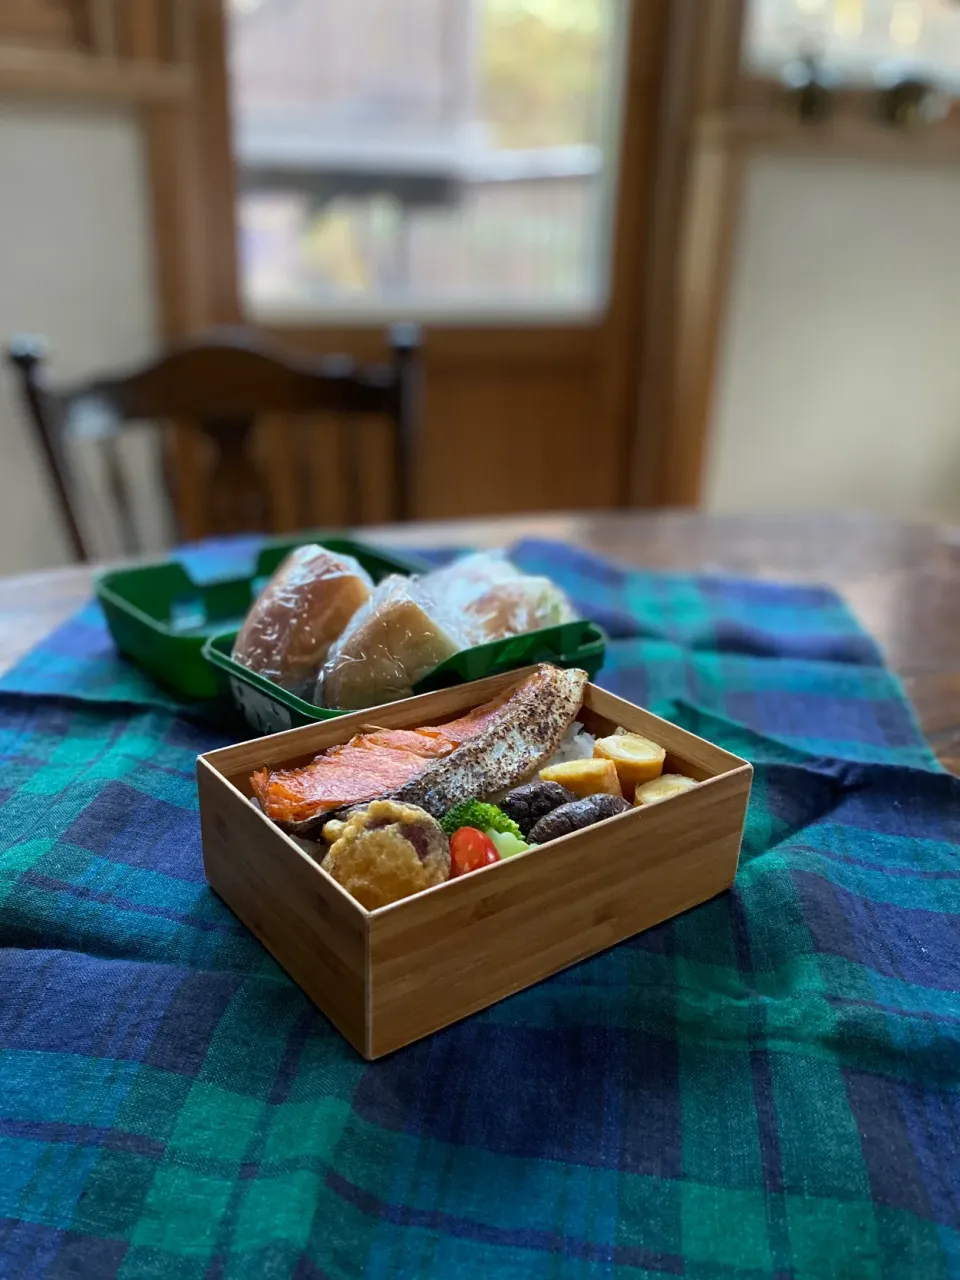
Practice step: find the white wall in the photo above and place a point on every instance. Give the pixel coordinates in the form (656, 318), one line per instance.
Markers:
(840, 368)
(75, 265)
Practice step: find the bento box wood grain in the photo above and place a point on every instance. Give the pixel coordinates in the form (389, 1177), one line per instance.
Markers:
(388, 977)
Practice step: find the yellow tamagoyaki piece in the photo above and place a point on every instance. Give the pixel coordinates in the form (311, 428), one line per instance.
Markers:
(585, 777)
(662, 788)
(636, 759)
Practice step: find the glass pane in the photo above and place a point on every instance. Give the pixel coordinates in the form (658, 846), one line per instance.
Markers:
(431, 154)
(858, 40)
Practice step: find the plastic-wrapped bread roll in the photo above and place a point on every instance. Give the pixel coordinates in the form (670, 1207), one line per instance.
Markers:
(495, 599)
(511, 608)
(396, 638)
(301, 611)
(457, 584)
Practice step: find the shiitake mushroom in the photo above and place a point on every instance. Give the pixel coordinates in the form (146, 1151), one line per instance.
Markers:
(575, 816)
(526, 805)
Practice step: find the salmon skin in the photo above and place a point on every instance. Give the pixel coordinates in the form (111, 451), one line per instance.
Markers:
(488, 750)
(512, 745)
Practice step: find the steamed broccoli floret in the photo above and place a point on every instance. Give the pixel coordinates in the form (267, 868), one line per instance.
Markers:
(475, 813)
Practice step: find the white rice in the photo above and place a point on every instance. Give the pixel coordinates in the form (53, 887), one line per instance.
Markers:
(576, 745)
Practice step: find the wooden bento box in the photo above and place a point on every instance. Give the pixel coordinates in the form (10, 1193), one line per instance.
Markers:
(390, 976)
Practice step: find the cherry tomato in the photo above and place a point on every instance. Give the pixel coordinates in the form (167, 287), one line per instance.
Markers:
(470, 850)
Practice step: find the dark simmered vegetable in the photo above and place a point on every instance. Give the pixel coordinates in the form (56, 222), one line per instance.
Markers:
(575, 816)
(526, 805)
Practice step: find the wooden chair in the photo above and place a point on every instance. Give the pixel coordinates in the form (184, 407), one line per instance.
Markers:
(221, 386)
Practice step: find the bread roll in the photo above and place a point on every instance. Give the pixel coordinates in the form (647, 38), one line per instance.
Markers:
(495, 599)
(302, 610)
(397, 637)
(461, 582)
(513, 607)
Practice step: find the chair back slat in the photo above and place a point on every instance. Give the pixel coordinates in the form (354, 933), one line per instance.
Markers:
(119, 491)
(284, 464)
(351, 471)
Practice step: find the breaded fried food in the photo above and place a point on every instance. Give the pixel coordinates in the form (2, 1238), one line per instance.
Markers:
(387, 851)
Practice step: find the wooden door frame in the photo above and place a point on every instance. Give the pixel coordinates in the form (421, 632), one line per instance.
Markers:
(689, 255)
(191, 179)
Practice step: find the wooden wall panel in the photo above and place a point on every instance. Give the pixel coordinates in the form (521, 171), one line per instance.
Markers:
(523, 440)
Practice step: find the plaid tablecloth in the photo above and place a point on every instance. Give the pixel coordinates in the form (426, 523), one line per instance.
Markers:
(767, 1086)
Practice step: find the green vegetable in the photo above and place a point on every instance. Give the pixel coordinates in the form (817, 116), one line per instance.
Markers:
(475, 813)
(507, 843)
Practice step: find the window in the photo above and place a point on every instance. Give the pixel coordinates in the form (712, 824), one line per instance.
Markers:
(437, 154)
(858, 41)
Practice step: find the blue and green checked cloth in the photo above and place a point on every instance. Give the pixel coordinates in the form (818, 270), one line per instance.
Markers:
(767, 1086)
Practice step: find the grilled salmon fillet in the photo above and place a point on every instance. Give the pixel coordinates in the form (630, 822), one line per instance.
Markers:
(490, 749)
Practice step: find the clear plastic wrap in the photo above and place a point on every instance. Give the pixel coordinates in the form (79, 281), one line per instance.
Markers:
(460, 583)
(511, 608)
(400, 634)
(302, 610)
(494, 599)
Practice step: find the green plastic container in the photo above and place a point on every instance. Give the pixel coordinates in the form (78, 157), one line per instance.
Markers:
(160, 617)
(269, 709)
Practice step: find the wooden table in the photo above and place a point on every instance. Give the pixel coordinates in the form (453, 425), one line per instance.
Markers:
(903, 581)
